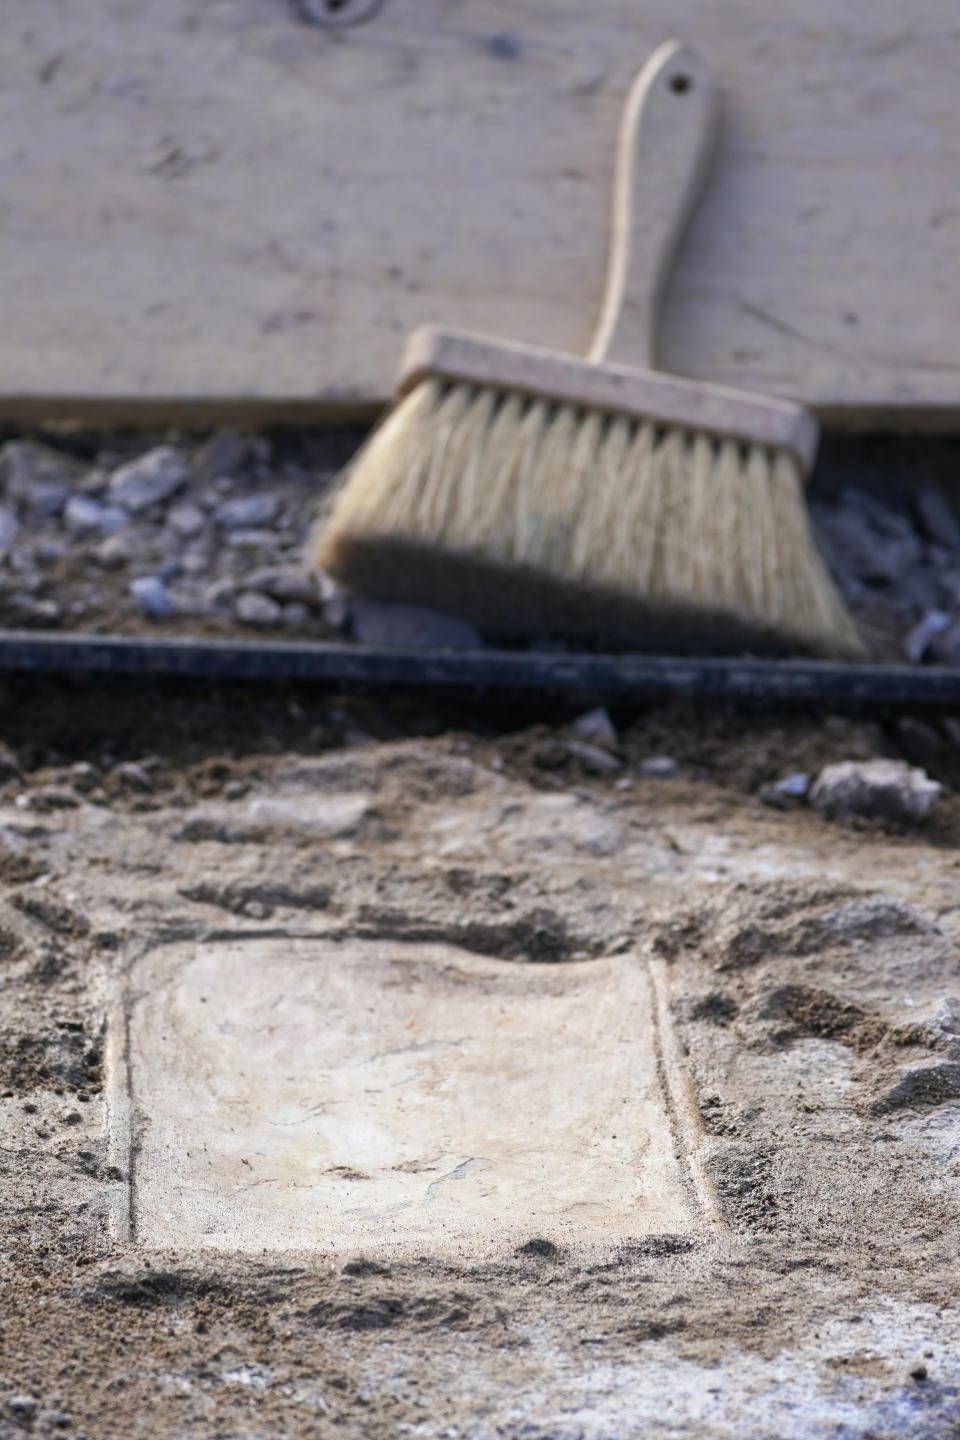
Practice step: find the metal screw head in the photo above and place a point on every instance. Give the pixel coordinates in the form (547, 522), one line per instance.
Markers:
(337, 13)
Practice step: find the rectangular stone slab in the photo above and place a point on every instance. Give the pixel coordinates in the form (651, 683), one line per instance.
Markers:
(223, 209)
(396, 1098)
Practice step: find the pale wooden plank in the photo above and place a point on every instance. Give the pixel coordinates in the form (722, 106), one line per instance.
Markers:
(214, 203)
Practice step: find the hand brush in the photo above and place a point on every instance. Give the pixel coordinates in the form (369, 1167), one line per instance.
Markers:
(536, 493)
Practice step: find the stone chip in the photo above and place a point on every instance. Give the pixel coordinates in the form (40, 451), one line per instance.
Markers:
(149, 480)
(881, 789)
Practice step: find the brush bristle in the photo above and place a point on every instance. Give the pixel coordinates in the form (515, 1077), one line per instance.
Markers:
(532, 517)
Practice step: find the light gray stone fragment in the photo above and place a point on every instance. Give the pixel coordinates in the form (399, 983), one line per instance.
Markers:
(946, 1017)
(657, 767)
(95, 482)
(44, 612)
(195, 562)
(285, 582)
(334, 601)
(149, 480)
(917, 640)
(256, 609)
(186, 520)
(247, 512)
(35, 477)
(780, 794)
(375, 623)
(152, 597)
(84, 777)
(251, 539)
(886, 789)
(795, 786)
(84, 516)
(132, 776)
(113, 552)
(595, 728)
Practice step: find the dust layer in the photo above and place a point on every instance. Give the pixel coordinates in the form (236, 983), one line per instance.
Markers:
(810, 968)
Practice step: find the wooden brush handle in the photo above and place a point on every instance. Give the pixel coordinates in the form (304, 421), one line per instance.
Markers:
(666, 138)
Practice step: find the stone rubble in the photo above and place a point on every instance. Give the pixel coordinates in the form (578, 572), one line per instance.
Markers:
(82, 515)
(874, 789)
(658, 767)
(250, 512)
(595, 727)
(152, 597)
(255, 609)
(216, 519)
(782, 793)
(149, 480)
(918, 639)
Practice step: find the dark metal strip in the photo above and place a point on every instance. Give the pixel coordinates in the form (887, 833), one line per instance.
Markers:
(638, 677)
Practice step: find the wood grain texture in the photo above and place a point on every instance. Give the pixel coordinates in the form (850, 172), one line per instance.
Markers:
(210, 203)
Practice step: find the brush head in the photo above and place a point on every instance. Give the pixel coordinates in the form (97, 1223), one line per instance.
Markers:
(567, 514)
(641, 394)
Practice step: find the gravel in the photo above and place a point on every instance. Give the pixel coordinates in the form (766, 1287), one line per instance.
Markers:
(595, 727)
(186, 520)
(36, 477)
(210, 521)
(113, 552)
(256, 609)
(82, 515)
(150, 479)
(152, 597)
(918, 639)
(658, 767)
(285, 582)
(248, 513)
(251, 539)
